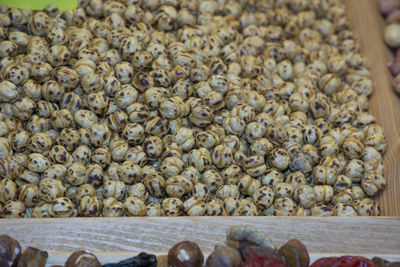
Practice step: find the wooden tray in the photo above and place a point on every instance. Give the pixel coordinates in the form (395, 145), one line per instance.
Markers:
(112, 239)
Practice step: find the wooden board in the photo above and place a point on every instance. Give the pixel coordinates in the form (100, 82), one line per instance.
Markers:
(118, 238)
(113, 239)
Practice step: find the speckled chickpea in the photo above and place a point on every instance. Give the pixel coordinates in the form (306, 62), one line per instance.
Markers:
(14, 209)
(225, 191)
(155, 183)
(129, 172)
(98, 102)
(279, 158)
(85, 118)
(37, 162)
(50, 189)
(61, 119)
(353, 148)
(90, 206)
(76, 174)
(263, 197)
(8, 91)
(133, 133)
(357, 192)
(200, 159)
(342, 196)
(232, 206)
(247, 185)
(202, 116)
(137, 155)
(59, 155)
(29, 195)
(305, 195)
(342, 182)
(83, 190)
(62, 208)
(202, 191)
(16, 74)
(172, 206)
(156, 126)
(284, 190)
(194, 206)
(41, 210)
(58, 55)
(324, 175)
(320, 209)
(115, 189)
(232, 174)
(215, 208)
(171, 166)
(152, 145)
(372, 183)
(344, 209)
(112, 208)
(137, 112)
(8, 190)
(367, 207)
(40, 143)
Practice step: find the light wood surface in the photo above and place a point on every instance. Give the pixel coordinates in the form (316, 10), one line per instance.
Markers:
(113, 239)
(118, 238)
(366, 21)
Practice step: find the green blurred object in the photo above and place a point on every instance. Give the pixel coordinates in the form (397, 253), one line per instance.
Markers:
(41, 4)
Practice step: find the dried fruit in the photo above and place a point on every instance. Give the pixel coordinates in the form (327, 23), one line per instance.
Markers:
(295, 254)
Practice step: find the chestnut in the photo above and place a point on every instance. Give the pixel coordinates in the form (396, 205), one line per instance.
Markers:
(10, 251)
(224, 257)
(82, 259)
(185, 254)
(33, 257)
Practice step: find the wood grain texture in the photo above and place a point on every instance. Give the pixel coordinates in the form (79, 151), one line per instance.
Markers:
(116, 238)
(113, 239)
(367, 23)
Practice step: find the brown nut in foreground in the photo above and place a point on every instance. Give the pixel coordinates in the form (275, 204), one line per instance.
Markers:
(224, 257)
(33, 257)
(185, 253)
(295, 254)
(82, 259)
(10, 251)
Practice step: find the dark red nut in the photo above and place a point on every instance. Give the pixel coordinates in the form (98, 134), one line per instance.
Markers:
(250, 251)
(185, 254)
(396, 84)
(82, 259)
(10, 251)
(224, 257)
(344, 261)
(394, 16)
(295, 254)
(261, 261)
(322, 262)
(394, 66)
(33, 257)
(386, 6)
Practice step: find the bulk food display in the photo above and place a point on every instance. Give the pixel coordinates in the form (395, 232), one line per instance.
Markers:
(244, 246)
(168, 108)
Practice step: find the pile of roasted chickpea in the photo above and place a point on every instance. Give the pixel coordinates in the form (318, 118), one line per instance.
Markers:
(186, 107)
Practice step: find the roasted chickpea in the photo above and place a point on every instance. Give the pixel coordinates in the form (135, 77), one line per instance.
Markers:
(112, 208)
(172, 206)
(115, 189)
(90, 206)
